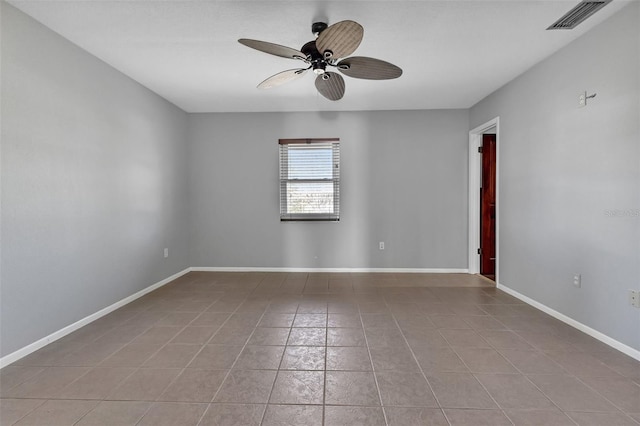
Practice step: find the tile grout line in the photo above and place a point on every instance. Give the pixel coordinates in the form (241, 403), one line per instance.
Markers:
(373, 368)
(273, 385)
(525, 376)
(514, 366)
(226, 376)
(141, 366)
(413, 355)
(605, 398)
(326, 349)
(45, 400)
(151, 403)
(136, 369)
(425, 376)
(473, 374)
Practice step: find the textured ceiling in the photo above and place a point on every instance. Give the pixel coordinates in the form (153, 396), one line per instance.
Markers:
(453, 52)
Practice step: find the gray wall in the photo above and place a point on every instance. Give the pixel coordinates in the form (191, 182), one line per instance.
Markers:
(93, 184)
(404, 182)
(563, 169)
(99, 174)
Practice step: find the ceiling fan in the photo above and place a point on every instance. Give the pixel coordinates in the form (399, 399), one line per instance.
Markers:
(331, 44)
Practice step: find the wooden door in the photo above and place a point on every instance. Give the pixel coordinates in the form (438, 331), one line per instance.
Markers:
(488, 207)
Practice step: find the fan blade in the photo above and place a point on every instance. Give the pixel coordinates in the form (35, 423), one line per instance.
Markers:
(281, 78)
(330, 85)
(368, 68)
(273, 49)
(341, 38)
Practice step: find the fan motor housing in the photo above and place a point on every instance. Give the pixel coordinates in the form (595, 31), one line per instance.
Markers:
(318, 62)
(311, 51)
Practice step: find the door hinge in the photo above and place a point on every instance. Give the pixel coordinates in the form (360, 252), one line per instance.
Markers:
(479, 251)
(480, 149)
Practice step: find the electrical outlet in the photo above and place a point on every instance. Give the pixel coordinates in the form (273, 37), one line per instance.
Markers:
(577, 280)
(381, 245)
(166, 253)
(634, 298)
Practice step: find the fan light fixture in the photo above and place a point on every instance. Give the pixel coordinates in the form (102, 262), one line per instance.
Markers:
(332, 43)
(319, 68)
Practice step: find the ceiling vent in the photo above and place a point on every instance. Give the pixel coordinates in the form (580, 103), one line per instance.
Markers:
(579, 13)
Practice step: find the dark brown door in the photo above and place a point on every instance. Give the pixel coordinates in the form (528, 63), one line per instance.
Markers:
(488, 208)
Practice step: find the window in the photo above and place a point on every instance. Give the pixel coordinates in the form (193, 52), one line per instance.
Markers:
(309, 179)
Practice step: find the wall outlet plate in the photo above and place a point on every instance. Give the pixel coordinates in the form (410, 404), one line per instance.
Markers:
(634, 298)
(381, 245)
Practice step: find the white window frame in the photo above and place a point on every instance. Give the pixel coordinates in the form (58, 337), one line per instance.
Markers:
(287, 144)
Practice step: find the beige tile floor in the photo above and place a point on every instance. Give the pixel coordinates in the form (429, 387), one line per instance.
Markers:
(323, 349)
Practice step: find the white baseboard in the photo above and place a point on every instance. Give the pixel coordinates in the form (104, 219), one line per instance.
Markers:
(334, 270)
(21, 353)
(628, 350)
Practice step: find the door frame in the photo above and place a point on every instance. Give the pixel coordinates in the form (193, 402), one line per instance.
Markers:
(475, 182)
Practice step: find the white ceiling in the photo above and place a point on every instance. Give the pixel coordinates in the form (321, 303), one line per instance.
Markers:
(453, 52)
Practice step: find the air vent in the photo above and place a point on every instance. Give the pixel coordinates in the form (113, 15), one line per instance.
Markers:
(579, 13)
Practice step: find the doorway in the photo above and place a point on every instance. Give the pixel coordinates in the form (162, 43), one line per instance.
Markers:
(483, 200)
(487, 249)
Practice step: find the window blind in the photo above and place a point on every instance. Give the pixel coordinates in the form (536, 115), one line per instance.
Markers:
(309, 179)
